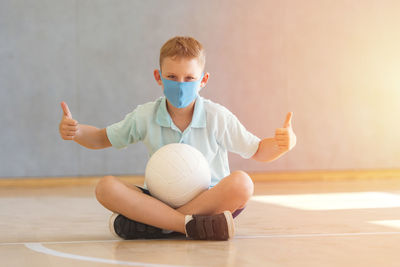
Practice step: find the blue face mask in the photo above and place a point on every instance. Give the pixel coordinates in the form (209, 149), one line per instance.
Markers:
(181, 94)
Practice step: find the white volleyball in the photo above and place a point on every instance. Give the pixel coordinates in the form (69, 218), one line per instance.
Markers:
(176, 173)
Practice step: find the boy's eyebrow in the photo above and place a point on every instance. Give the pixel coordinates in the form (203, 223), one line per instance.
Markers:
(172, 73)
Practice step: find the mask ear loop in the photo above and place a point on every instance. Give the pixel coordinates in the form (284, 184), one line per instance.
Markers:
(201, 79)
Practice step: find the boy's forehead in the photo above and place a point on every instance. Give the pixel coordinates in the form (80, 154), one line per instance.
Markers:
(181, 65)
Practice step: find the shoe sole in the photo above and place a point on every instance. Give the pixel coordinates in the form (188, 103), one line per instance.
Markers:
(230, 222)
(111, 225)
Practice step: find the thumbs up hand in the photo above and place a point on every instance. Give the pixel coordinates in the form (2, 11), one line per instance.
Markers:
(68, 126)
(285, 137)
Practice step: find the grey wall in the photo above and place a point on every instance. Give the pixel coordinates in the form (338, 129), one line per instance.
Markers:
(316, 58)
(98, 56)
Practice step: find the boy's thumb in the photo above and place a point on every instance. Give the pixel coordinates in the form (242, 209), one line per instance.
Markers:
(65, 109)
(288, 121)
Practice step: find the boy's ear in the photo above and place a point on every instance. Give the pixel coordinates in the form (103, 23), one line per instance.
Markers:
(205, 79)
(157, 76)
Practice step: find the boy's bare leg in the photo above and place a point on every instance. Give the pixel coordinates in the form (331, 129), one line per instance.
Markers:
(231, 193)
(130, 201)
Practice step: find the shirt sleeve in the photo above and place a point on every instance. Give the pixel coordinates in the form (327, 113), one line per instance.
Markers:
(235, 138)
(125, 132)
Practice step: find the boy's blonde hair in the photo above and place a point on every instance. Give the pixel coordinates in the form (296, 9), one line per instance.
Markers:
(183, 47)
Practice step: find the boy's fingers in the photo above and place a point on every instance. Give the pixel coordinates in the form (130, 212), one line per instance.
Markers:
(281, 141)
(288, 120)
(65, 109)
(70, 131)
(70, 122)
(72, 128)
(281, 131)
(68, 128)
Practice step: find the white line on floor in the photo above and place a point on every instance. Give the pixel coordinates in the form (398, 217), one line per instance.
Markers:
(65, 242)
(236, 237)
(38, 247)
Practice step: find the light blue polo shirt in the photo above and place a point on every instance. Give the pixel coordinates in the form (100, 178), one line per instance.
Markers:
(214, 131)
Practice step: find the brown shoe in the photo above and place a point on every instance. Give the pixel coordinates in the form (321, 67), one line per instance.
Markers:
(212, 227)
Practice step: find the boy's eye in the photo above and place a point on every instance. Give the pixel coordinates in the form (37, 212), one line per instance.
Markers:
(174, 77)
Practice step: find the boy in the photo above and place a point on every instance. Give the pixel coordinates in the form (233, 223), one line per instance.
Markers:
(182, 116)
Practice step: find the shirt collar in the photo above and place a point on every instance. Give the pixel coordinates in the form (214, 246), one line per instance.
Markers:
(199, 114)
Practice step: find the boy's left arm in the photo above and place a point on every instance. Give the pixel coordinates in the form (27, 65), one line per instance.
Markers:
(270, 149)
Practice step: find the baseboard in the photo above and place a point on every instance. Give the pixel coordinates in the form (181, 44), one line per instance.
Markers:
(326, 175)
(61, 181)
(257, 177)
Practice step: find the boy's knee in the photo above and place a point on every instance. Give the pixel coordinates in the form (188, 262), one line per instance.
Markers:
(105, 183)
(242, 185)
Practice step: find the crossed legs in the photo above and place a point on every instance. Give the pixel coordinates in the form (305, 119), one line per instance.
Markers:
(231, 193)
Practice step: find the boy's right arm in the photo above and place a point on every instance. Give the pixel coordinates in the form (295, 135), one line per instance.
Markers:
(85, 135)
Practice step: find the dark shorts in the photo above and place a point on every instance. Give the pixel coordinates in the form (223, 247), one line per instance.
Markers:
(234, 214)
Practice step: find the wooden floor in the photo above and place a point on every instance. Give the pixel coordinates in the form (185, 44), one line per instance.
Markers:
(303, 223)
